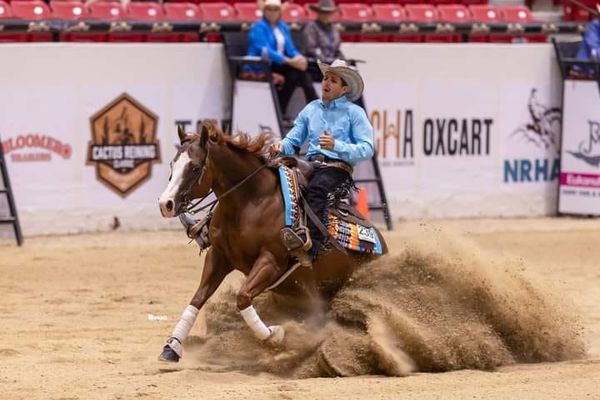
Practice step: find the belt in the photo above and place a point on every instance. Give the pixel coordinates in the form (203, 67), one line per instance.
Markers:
(332, 162)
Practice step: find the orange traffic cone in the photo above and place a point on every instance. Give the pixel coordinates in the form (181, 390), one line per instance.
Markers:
(362, 202)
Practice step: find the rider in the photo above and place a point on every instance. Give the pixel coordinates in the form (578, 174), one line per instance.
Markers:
(339, 135)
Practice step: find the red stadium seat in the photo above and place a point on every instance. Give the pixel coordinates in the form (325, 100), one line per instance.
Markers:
(421, 13)
(516, 14)
(247, 12)
(5, 10)
(485, 13)
(34, 10)
(454, 13)
(68, 10)
(182, 12)
(106, 10)
(293, 13)
(217, 12)
(355, 12)
(388, 13)
(145, 11)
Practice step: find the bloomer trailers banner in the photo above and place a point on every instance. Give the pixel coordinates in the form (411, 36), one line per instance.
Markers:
(464, 130)
(580, 166)
(89, 129)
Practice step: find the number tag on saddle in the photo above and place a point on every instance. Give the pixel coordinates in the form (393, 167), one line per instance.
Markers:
(366, 234)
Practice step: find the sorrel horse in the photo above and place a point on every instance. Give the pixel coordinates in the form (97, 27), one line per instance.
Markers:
(244, 231)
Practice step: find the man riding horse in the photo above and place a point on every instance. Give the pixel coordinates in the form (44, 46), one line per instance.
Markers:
(245, 229)
(339, 135)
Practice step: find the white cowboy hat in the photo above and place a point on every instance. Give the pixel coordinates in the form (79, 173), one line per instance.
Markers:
(271, 3)
(348, 73)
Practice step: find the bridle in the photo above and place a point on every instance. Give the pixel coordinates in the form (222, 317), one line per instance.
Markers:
(193, 208)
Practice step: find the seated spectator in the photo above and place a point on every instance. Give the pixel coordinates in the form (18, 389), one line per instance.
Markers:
(271, 39)
(589, 49)
(322, 38)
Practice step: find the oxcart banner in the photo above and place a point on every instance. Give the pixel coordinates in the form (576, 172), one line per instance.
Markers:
(89, 130)
(464, 130)
(580, 166)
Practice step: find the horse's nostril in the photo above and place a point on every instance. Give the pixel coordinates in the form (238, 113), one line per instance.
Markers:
(169, 205)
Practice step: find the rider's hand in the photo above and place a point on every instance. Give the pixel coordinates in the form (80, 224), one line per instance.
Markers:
(275, 149)
(326, 141)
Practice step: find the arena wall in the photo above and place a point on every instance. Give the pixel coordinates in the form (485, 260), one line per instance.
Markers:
(462, 130)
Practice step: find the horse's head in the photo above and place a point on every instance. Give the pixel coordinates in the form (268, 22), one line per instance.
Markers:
(191, 176)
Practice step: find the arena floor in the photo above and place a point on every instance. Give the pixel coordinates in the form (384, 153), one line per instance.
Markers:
(85, 317)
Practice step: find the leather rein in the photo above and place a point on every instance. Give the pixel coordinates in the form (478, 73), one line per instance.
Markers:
(192, 208)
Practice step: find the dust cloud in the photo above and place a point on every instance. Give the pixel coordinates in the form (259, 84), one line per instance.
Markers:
(437, 304)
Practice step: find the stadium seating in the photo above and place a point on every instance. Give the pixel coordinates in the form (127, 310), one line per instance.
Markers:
(247, 12)
(5, 10)
(32, 10)
(294, 13)
(110, 11)
(182, 12)
(388, 13)
(68, 10)
(485, 13)
(145, 11)
(456, 13)
(218, 12)
(516, 14)
(421, 13)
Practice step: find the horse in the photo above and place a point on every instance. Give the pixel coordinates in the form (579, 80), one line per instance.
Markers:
(244, 231)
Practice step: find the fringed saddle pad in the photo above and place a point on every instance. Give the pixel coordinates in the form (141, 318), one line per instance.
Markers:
(354, 236)
(290, 191)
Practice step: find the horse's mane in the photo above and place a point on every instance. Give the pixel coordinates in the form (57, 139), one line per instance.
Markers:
(257, 146)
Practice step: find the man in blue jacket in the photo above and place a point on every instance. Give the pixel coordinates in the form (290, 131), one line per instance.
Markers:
(339, 135)
(271, 38)
(589, 49)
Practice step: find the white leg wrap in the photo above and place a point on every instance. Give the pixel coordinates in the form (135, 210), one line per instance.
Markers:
(255, 323)
(183, 327)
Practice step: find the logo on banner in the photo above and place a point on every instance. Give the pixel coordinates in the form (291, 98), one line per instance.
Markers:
(124, 144)
(541, 132)
(33, 147)
(543, 128)
(589, 149)
(394, 137)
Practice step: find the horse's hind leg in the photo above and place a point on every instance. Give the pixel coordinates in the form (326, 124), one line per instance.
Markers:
(264, 272)
(215, 270)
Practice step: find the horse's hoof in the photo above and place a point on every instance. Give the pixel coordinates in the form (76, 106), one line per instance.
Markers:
(168, 355)
(276, 336)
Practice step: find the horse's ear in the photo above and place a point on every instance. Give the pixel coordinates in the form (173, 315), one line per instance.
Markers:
(204, 132)
(212, 131)
(181, 133)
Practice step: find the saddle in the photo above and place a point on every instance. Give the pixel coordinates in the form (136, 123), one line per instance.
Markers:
(348, 228)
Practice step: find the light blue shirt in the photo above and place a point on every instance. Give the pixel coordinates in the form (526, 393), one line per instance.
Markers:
(347, 123)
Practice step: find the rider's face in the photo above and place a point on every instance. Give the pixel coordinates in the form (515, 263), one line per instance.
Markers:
(333, 87)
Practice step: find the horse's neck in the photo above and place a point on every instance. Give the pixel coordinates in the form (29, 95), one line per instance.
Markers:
(231, 168)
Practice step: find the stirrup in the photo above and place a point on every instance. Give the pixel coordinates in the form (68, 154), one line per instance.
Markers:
(293, 239)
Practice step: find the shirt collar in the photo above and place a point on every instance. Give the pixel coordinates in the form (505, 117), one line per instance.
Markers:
(339, 102)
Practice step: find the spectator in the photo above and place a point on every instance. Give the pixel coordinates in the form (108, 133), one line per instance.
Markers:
(589, 49)
(271, 38)
(322, 38)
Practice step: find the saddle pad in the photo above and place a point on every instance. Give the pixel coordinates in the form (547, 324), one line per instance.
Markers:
(353, 236)
(291, 196)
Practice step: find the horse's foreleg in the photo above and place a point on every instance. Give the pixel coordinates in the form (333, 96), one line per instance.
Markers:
(215, 270)
(264, 272)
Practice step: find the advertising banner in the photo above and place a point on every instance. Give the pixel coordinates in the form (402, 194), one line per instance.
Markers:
(88, 130)
(580, 167)
(464, 130)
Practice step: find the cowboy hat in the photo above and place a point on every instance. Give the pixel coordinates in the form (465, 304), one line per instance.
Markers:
(271, 3)
(348, 73)
(326, 6)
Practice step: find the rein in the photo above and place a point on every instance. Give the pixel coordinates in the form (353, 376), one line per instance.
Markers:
(191, 208)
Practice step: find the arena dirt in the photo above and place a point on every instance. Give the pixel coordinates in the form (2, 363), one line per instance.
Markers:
(509, 306)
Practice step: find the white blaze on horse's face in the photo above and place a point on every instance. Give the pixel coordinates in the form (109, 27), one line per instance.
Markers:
(167, 198)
